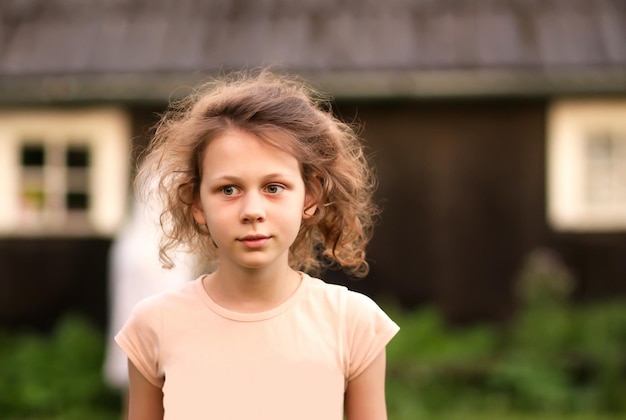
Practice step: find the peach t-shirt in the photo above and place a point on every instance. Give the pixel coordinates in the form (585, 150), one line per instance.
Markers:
(291, 362)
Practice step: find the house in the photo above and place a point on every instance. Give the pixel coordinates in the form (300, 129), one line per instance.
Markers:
(497, 127)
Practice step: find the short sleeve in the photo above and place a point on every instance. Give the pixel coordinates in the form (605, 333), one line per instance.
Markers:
(368, 331)
(139, 339)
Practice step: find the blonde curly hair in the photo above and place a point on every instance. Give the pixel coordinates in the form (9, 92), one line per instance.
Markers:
(287, 113)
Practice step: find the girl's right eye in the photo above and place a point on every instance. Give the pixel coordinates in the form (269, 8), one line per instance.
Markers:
(229, 190)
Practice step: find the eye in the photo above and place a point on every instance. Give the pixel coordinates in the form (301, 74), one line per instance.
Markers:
(229, 190)
(274, 188)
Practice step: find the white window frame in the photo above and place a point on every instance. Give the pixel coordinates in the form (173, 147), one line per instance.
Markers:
(105, 132)
(574, 174)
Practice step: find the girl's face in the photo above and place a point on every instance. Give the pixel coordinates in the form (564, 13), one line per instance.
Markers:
(252, 198)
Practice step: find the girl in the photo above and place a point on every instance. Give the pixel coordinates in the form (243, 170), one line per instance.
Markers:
(262, 181)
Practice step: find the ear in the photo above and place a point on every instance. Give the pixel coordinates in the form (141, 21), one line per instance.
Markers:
(310, 206)
(198, 212)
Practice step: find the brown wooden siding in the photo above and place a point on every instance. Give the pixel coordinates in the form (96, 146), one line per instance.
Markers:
(43, 279)
(463, 191)
(462, 187)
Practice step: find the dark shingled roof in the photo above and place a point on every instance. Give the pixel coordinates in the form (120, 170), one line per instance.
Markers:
(125, 49)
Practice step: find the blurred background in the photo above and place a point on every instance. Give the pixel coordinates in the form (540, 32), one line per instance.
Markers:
(498, 129)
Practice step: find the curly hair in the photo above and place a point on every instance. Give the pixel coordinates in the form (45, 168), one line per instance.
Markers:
(284, 112)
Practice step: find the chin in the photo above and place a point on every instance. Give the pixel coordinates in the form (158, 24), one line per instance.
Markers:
(253, 265)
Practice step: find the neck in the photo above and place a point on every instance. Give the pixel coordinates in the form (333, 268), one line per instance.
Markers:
(251, 290)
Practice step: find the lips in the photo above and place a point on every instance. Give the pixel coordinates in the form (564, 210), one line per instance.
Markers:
(254, 241)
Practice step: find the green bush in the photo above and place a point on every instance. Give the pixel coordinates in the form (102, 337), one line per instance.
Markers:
(56, 376)
(559, 359)
(553, 357)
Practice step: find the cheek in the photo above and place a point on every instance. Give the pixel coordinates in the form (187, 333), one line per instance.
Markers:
(219, 216)
(296, 215)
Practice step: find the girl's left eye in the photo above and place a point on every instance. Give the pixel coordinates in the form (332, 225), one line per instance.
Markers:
(274, 188)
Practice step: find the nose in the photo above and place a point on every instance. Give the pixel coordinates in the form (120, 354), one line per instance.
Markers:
(252, 209)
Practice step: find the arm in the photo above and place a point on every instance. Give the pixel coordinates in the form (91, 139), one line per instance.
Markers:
(365, 395)
(145, 401)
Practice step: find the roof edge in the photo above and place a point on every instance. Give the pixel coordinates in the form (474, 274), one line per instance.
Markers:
(475, 83)
(383, 84)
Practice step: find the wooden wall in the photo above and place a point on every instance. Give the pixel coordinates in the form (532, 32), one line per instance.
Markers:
(43, 279)
(462, 186)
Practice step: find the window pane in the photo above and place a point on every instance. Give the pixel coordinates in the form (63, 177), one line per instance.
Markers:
(33, 195)
(77, 201)
(77, 180)
(33, 155)
(33, 200)
(606, 162)
(600, 162)
(77, 156)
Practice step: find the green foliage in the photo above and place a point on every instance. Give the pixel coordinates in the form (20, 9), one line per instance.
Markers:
(57, 376)
(544, 279)
(554, 358)
(561, 360)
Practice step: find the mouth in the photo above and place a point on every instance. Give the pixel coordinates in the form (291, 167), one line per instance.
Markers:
(254, 241)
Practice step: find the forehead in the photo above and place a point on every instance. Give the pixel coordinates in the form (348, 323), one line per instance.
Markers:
(241, 152)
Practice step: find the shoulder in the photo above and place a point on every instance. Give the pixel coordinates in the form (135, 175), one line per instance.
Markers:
(334, 298)
(350, 304)
(365, 329)
(319, 288)
(351, 299)
(166, 301)
(150, 315)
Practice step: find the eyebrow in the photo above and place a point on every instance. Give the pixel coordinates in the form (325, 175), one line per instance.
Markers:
(236, 179)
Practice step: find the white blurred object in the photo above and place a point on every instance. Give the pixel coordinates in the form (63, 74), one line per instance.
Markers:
(135, 272)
